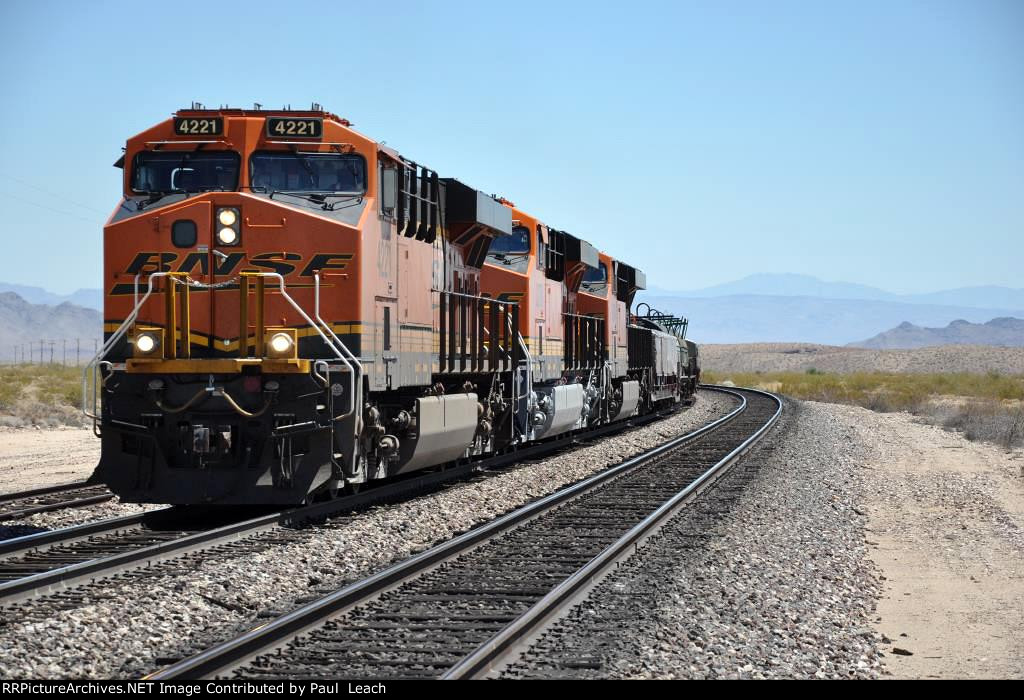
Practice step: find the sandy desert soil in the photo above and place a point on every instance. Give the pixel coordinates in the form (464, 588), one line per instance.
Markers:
(799, 357)
(32, 458)
(946, 529)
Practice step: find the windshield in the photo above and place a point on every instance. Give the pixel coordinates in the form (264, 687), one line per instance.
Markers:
(595, 280)
(512, 250)
(308, 172)
(188, 171)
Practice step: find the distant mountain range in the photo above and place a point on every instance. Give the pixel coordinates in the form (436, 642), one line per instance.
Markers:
(791, 285)
(1007, 332)
(783, 319)
(89, 298)
(801, 308)
(65, 331)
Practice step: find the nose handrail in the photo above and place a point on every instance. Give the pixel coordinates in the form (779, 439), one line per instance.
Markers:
(90, 373)
(356, 371)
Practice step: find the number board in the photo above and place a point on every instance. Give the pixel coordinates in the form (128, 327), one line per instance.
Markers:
(198, 126)
(288, 126)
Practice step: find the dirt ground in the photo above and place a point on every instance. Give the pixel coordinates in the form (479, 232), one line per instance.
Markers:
(31, 458)
(947, 532)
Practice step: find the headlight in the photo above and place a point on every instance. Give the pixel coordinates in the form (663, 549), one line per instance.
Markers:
(146, 343)
(227, 236)
(280, 343)
(228, 223)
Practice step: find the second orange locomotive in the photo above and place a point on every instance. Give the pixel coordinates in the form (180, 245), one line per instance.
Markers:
(292, 309)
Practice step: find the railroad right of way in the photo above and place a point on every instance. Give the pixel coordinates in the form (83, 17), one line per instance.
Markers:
(124, 629)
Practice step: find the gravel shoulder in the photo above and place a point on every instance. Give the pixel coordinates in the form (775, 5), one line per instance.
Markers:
(946, 528)
(125, 627)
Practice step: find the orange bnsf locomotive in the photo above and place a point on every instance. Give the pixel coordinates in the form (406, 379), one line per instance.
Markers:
(292, 309)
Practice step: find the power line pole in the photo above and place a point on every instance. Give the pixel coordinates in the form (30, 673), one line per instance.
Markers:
(78, 352)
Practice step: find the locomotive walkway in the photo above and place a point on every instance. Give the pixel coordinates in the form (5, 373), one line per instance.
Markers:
(466, 607)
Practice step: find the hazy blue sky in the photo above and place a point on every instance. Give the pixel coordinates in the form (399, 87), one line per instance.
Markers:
(874, 142)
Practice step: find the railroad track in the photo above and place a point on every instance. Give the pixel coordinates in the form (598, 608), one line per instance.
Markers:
(52, 562)
(464, 608)
(73, 495)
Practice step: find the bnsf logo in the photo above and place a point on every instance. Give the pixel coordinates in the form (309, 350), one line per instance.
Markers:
(282, 263)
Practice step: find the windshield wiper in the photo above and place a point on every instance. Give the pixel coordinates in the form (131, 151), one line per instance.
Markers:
(157, 195)
(319, 197)
(508, 258)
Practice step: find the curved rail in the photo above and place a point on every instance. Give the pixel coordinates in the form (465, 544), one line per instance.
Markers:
(277, 633)
(496, 651)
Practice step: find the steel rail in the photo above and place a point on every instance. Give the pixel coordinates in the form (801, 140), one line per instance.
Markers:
(104, 566)
(50, 507)
(66, 535)
(496, 651)
(235, 652)
(73, 500)
(42, 491)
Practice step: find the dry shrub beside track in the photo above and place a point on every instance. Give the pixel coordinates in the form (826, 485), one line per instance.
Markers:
(40, 395)
(987, 407)
(799, 357)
